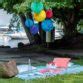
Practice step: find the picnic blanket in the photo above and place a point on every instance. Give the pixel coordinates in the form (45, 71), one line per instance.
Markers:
(26, 72)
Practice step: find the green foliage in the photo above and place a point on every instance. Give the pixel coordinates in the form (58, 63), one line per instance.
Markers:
(1, 1)
(8, 4)
(80, 26)
(22, 6)
(59, 5)
(73, 78)
(14, 22)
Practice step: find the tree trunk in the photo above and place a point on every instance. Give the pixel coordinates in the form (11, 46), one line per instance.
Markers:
(37, 39)
(72, 21)
(34, 39)
(70, 30)
(42, 34)
(30, 37)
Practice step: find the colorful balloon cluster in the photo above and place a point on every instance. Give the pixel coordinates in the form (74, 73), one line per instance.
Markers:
(40, 15)
(34, 28)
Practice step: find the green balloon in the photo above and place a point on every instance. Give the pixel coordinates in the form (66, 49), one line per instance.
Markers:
(37, 7)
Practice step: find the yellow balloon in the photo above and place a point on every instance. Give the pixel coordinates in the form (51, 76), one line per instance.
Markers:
(39, 17)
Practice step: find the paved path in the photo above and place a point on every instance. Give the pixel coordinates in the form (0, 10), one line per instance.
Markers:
(22, 58)
(70, 53)
(36, 58)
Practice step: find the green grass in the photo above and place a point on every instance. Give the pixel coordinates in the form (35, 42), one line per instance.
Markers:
(73, 78)
(78, 61)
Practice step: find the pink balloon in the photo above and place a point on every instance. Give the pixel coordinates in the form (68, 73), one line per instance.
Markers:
(49, 13)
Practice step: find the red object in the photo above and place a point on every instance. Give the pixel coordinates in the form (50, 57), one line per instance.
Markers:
(49, 13)
(61, 62)
(44, 70)
(52, 63)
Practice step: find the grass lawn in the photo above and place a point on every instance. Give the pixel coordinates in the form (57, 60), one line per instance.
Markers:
(73, 78)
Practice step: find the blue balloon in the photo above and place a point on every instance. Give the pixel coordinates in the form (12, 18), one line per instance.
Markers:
(34, 29)
(29, 23)
(47, 25)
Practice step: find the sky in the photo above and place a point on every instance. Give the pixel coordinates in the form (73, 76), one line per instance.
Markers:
(4, 17)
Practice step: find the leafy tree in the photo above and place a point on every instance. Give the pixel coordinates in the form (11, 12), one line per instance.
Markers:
(68, 11)
(8, 5)
(14, 23)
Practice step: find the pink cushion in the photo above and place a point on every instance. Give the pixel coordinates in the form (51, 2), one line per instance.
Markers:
(61, 62)
(44, 70)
